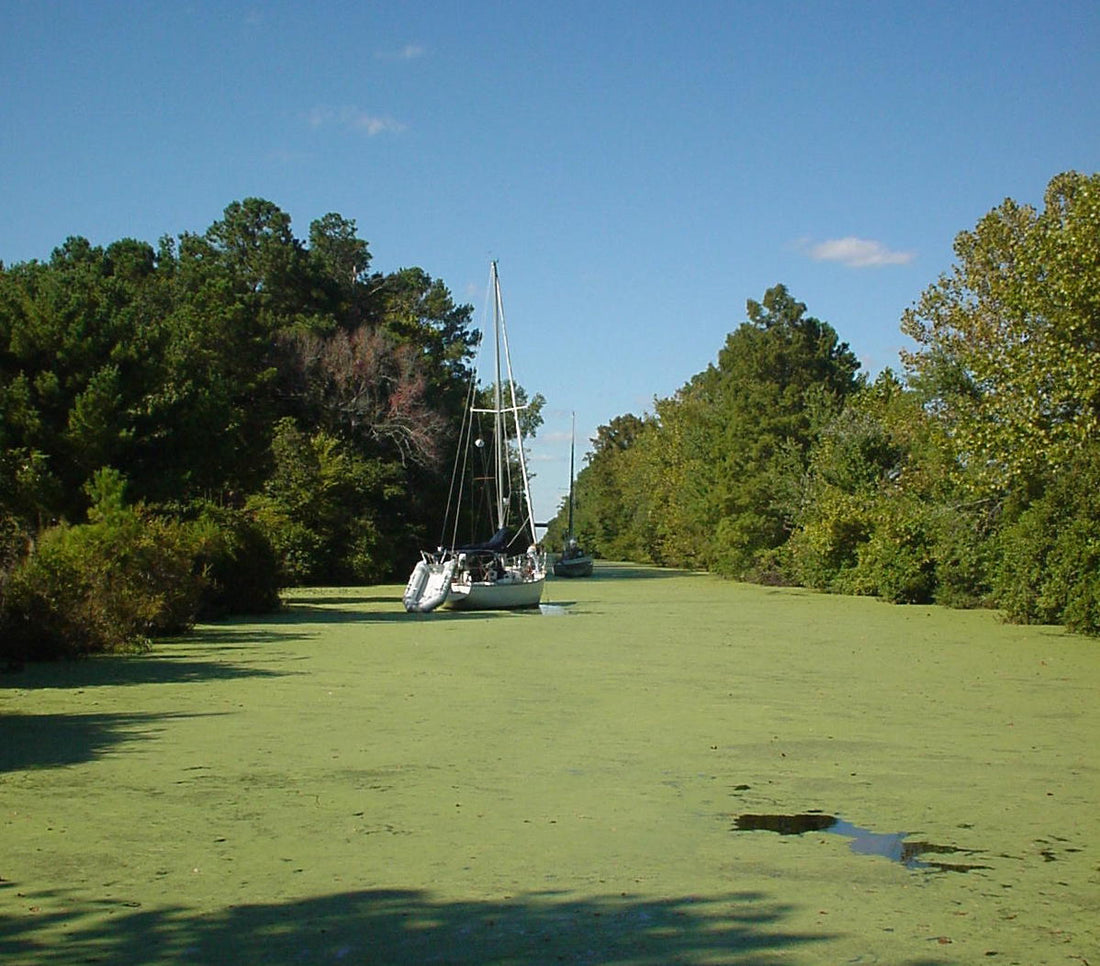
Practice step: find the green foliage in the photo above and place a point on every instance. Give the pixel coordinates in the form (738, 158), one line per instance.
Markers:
(342, 256)
(322, 509)
(1008, 338)
(186, 364)
(176, 363)
(308, 407)
(880, 510)
(823, 551)
(238, 564)
(105, 586)
(1049, 569)
(779, 378)
(1009, 361)
(710, 480)
(897, 561)
(965, 550)
(611, 505)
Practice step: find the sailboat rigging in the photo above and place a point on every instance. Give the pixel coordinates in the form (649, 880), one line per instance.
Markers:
(507, 570)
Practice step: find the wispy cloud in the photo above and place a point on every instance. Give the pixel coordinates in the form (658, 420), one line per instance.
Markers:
(855, 252)
(354, 119)
(408, 52)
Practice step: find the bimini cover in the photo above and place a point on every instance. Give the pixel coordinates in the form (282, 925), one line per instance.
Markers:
(497, 543)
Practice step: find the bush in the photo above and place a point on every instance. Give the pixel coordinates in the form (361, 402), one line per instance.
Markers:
(897, 560)
(823, 551)
(101, 587)
(366, 559)
(965, 559)
(331, 515)
(894, 546)
(897, 567)
(238, 563)
(104, 586)
(770, 568)
(1050, 555)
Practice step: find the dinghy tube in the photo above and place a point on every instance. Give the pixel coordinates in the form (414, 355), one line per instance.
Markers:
(428, 586)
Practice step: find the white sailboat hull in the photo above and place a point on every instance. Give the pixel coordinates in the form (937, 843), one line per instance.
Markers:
(501, 594)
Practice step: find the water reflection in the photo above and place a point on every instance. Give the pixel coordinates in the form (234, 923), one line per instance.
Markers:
(891, 845)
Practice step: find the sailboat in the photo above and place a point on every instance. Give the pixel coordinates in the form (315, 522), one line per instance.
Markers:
(508, 569)
(573, 562)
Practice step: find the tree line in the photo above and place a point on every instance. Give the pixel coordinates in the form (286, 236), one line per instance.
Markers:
(969, 478)
(186, 428)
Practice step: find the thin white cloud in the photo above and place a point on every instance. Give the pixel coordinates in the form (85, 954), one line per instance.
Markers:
(376, 125)
(353, 119)
(408, 52)
(856, 252)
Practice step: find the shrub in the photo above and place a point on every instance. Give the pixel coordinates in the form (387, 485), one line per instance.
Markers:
(897, 561)
(331, 515)
(365, 559)
(238, 563)
(824, 549)
(770, 568)
(965, 558)
(1050, 557)
(301, 553)
(104, 586)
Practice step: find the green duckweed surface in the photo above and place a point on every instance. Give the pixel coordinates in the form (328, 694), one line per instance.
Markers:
(346, 783)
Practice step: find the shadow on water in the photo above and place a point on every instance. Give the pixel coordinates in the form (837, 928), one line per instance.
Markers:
(56, 740)
(391, 926)
(165, 665)
(324, 613)
(305, 606)
(297, 598)
(632, 571)
(891, 845)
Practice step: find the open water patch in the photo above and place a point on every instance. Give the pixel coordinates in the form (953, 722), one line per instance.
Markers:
(553, 610)
(895, 846)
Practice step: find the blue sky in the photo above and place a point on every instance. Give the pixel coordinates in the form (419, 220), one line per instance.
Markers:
(638, 169)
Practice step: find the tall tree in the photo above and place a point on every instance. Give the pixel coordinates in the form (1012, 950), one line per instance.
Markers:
(368, 387)
(1009, 354)
(1009, 339)
(708, 480)
(778, 379)
(334, 243)
(74, 359)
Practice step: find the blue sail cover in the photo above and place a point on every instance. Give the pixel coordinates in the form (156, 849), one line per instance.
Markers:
(497, 543)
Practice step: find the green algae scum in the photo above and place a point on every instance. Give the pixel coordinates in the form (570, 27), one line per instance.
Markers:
(655, 767)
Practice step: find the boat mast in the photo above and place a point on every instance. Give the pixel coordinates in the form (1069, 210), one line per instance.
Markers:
(572, 450)
(498, 411)
(529, 509)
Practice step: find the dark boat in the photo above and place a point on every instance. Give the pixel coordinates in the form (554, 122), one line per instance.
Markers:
(573, 562)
